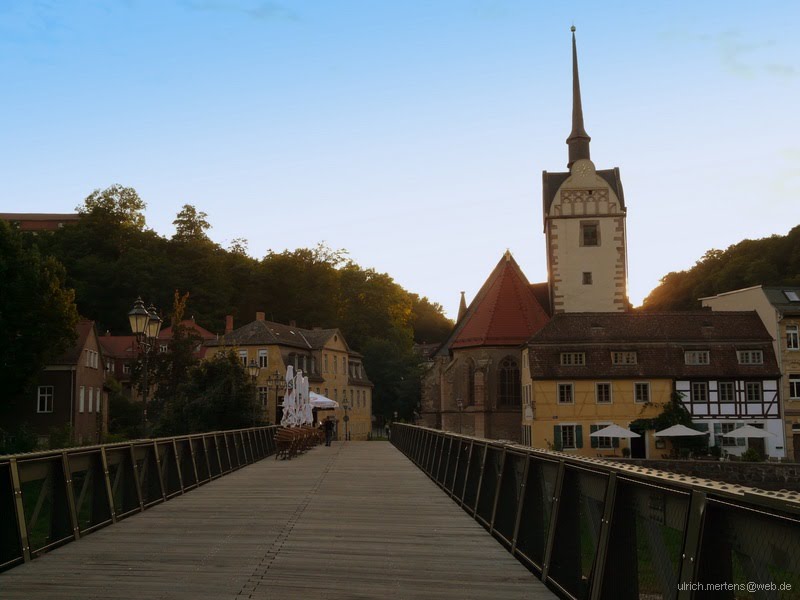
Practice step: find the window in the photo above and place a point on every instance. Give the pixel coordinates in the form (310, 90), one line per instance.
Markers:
(641, 392)
(325, 357)
(344, 364)
(91, 399)
(335, 364)
(792, 338)
(509, 386)
(81, 399)
(587, 278)
(729, 441)
(44, 401)
(727, 391)
(91, 359)
(601, 442)
(751, 357)
(590, 233)
(794, 386)
(565, 393)
(696, 357)
(262, 358)
(262, 395)
(753, 391)
(573, 358)
(602, 393)
(791, 295)
(699, 391)
(126, 368)
(98, 399)
(568, 436)
(243, 357)
(163, 348)
(623, 358)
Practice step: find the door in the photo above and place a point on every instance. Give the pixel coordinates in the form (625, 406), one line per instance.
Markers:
(639, 444)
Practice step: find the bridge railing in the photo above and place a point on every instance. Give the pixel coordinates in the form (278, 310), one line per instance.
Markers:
(53, 497)
(594, 529)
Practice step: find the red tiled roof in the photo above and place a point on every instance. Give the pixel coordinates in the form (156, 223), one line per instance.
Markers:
(73, 354)
(166, 332)
(118, 346)
(505, 311)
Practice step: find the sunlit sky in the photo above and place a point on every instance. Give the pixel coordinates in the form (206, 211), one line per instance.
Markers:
(412, 133)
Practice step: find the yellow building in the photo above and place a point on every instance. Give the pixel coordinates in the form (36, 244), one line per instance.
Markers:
(332, 368)
(583, 371)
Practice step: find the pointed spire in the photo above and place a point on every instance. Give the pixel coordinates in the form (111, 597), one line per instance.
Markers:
(578, 140)
(462, 308)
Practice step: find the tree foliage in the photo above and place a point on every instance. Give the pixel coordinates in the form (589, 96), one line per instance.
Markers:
(37, 312)
(774, 260)
(110, 259)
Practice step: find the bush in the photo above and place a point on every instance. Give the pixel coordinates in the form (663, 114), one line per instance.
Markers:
(752, 455)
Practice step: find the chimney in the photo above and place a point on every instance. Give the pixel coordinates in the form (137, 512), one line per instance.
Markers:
(292, 323)
(259, 316)
(228, 323)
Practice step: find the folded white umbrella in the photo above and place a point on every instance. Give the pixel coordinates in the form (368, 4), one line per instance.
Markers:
(748, 431)
(679, 431)
(614, 431)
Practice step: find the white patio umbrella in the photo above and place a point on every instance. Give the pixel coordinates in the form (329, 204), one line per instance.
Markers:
(614, 431)
(679, 431)
(748, 431)
(288, 399)
(320, 401)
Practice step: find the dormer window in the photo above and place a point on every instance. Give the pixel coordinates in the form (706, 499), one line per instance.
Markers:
(750, 357)
(696, 357)
(791, 295)
(623, 358)
(569, 359)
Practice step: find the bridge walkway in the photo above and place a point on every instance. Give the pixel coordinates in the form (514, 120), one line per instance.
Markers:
(356, 520)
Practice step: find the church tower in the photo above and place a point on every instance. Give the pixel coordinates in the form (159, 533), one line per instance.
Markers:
(584, 224)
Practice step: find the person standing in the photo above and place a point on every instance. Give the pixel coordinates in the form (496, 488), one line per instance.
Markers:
(328, 431)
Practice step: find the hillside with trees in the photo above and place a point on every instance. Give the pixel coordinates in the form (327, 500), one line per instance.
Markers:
(774, 260)
(110, 257)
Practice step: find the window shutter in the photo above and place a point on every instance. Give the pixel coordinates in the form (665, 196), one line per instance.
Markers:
(557, 437)
(592, 441)
(579, 436)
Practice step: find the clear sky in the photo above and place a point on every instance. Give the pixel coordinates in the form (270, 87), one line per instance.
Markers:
(413, 133)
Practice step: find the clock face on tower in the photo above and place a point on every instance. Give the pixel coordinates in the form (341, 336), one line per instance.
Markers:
(584, 167)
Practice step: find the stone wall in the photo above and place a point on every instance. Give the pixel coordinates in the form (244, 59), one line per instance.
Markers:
(763, 475)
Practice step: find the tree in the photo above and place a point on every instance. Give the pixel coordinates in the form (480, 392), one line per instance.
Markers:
(117, 203)
(219, 395)
(190, 224)
(37, 312)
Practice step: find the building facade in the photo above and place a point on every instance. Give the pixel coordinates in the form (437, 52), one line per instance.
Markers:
(779, 310)
(588, 370)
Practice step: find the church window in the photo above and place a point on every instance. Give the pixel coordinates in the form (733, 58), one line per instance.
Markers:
(587, 278)
(590, 233)
(471, 384)
(509, 386)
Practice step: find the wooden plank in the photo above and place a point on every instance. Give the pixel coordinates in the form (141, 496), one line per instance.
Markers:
(354, 520)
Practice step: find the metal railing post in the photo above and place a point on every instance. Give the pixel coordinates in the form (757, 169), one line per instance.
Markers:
(691, 546)
(598, 571)
(73, 514)
(107, 479)
(551, 531)
(22, 526)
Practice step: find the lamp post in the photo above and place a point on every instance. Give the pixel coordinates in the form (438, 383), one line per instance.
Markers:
(253, 370)
(275, 380)
(346, 407)
(145, 325)
(460, 412)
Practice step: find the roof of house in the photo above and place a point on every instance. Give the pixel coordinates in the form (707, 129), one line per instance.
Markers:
(505, 312)
(262, 332)
(72, 355)
(118, 346)
(782, 298)
(659, 340)
(166, 332)
(40, 216)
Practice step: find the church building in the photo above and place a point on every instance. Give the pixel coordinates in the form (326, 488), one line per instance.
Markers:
(474, 383)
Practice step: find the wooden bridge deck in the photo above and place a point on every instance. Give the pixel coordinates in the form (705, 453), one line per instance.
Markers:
(356, 520)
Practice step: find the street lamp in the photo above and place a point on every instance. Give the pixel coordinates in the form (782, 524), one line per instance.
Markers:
(145, 325)
(253, 370)
(460, 412)
(275, 380)
(346, 407)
